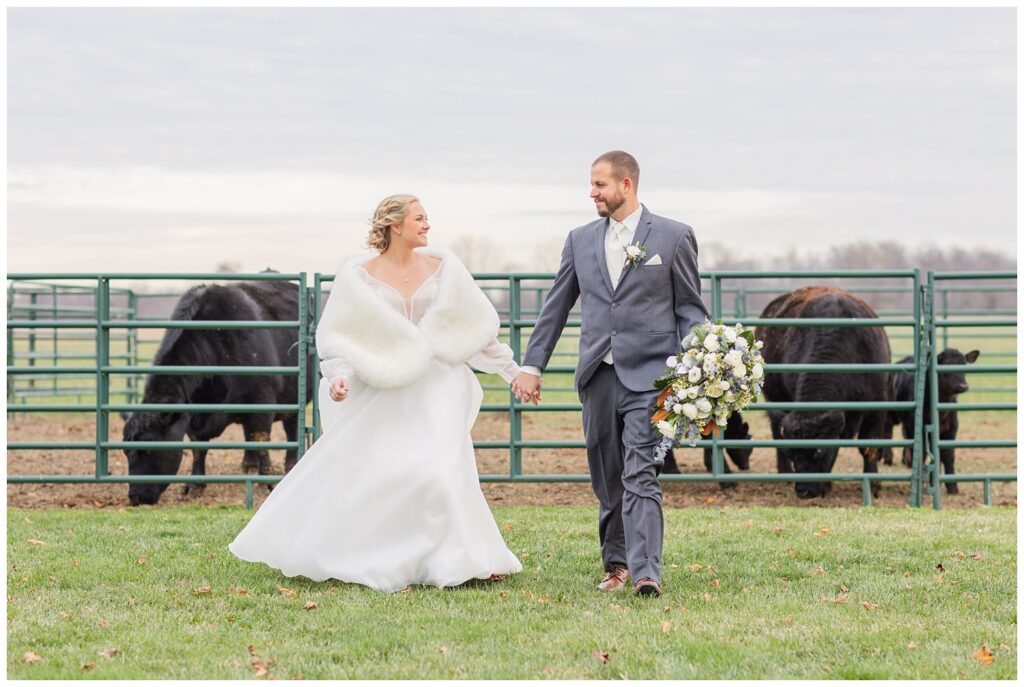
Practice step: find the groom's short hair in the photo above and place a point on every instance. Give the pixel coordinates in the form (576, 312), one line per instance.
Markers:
(623, 165)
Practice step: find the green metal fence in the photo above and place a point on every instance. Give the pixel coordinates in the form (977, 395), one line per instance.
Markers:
(919, 327)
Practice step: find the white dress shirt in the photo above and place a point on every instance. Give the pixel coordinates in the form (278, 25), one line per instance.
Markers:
(631, 222)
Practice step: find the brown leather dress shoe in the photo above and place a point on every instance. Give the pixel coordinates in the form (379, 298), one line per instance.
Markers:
(616, 579)
(645, 586)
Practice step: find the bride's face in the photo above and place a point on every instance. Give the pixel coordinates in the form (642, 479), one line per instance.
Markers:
(413, 229)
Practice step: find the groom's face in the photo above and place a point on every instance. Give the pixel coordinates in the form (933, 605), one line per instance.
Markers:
(607, 192)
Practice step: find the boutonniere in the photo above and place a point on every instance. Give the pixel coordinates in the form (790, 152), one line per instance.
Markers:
(635, 253)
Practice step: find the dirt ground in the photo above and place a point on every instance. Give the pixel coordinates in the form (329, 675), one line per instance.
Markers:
(492, 427)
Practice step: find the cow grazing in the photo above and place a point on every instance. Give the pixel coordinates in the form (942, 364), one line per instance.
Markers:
(819, 345)
(736, 430)
(951, 384)
(250, 347)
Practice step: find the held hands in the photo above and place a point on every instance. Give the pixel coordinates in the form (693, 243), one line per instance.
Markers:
(339, 389)
(526, 387)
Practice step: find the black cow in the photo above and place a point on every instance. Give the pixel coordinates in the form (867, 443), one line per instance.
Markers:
(737, 430)
(250, 347)
(819, 345)
(951, 384)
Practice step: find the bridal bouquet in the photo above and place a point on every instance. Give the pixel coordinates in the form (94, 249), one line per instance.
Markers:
(719, 372)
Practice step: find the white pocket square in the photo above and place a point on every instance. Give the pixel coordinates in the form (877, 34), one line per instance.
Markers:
(656, 260)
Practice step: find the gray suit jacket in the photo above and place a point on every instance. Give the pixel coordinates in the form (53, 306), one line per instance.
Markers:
(642, 321)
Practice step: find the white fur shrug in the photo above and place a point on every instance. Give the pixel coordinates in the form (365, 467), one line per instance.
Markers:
(386, 349)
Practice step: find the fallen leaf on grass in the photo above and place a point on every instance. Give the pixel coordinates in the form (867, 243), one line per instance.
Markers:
(31, 657)
(74, 564)
(88, 666)
(309, 605)
(788, 620)
(673, 566)
(110, 652)
(131, 602)
(984, 655)
(213, 554)
(261, 669)
(27, 521)
(750, 523)
(889, 569)
(869, 605)
(36, 542)
(287, 592)
(203, 590)
(252, 650)
(501, 595)
(666, 627)
(716, 582)
(666, 609)
(711, 499)
(776, 527)
(444, 652)
(976, 556)
(601, 656)
(959, 554)
(707, 597)
(63, 614)
(103, 624)
(912, 645)
(142, 560)
(52, 578)
(242, 592)
(823, 532)
(745, 590)
(696, 567)
(712, 569)
(843, 589)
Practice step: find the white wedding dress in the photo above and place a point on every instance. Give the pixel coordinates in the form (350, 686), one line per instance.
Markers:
(389, 495)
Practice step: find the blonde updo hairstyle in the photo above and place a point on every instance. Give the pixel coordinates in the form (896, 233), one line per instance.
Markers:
(392, 210)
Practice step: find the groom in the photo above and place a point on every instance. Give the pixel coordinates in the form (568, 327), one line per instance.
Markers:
(637, 276)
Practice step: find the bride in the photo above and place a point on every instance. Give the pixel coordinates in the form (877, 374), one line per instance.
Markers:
(389, 495)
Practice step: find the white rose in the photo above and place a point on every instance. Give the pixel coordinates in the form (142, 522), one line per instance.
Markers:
(729, 397)
(671, 362)
(687, 341)
(709, 363)
(694, 375)
(687, 361)
(681, 369)
(714, 390)
(667, 429)
(677, 408)
(730, 335)
(758, 371)
(693, 392)
(739, 371)
(690, 411)
(703, 407)
(711, 342)
(759, 344)
(733, 358)
(633, 251)
(741, 343)
(721, 420)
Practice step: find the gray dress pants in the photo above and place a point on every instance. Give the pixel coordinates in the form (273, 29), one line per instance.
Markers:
(620, 451)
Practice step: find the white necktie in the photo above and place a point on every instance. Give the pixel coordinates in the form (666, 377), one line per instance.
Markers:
(615, 252)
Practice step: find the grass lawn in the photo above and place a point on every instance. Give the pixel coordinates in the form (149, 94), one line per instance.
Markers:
(749, 594)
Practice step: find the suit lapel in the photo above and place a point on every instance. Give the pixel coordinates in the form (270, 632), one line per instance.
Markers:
(602, 261)
(640, 236)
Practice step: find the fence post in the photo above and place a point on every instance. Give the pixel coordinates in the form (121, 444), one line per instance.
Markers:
(515, 452)
(717, 459)
(302, 357)
(102, 389)
(11, 386)
(318, 285)
(933, 408)
(922, 310)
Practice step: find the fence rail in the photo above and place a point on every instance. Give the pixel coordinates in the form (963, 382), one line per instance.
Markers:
(929, 319)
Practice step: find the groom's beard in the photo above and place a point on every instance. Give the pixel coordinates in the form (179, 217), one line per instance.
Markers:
(610, 206)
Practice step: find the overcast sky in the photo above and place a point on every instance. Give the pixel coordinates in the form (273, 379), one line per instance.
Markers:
(175, 139)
